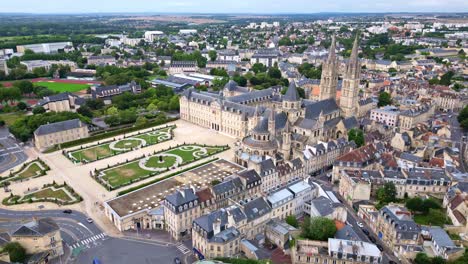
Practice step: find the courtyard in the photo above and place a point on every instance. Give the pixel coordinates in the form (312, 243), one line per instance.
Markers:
(170, 159)
(115, 147)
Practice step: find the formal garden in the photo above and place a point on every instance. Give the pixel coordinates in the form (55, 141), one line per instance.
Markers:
(54, 193)
(28, 170)
(144, 167)
(114, 147)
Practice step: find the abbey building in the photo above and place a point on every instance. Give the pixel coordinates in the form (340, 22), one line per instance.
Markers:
(268, 123)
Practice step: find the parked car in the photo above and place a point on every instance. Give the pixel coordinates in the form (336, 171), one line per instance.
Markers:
(372, 239)
(360, 224)
(365, 231)
(89, 219)
(67, 211)
(177, 261)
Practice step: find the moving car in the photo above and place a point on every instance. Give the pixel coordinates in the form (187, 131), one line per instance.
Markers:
(365, 231)
(67, 211)
(360, 224)
(89, 219)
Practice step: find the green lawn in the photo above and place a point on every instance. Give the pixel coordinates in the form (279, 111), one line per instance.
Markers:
(167, 162)
(10, 118)
(104, 151)
(32, 171)
(125, 174)
(49, 193)
(128, 143)
(63, 87)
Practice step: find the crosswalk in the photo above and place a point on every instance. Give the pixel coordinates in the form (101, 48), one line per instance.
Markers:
(182, 248)
(88, 240)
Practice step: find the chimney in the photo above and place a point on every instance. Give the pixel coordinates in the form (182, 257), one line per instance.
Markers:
(216, 226)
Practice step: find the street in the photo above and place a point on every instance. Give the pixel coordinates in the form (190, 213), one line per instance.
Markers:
(11, 154)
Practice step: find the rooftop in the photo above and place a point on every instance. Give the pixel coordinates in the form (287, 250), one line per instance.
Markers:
(151, 196)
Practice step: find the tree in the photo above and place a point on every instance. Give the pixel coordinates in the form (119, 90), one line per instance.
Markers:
(463, 117)
(258, 67)
(26, 87)
(318, 228)
(240, 80)
(85, 111)
(22, 105)
(438, 260)
(429, 204)
(140, 121)
(292, 221)
(212, 54)
(16, 251)
(446, 79)
(414, 204)
(151, 108)
(112, 111)
(38, 110)
(356, 135)
(274, 73)
(384, 99)
(422, 258)
(387, 193)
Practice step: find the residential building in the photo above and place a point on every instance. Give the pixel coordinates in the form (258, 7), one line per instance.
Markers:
(151, 36)
(408, 119)
(324, 207)
(443, 246)
(387, 115)
(396, 227)
(47, 65)
(40, 236)
(267, 57)
(102, 60)
(52, 134)
(180, 209)
(335, 251)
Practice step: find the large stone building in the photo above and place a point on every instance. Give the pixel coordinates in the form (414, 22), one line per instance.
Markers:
(269, 124)
(49, 135)
(63, 102)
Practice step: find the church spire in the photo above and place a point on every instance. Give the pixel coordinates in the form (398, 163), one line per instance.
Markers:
(329, 79)
(352, 77)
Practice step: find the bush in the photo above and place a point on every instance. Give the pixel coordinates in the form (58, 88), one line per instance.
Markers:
(16, 251)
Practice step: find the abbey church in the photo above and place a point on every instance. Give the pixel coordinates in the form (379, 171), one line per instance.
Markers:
(268, 123)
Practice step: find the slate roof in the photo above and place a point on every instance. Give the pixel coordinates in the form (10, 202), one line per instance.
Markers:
(441, 237)
(181, 197)
(291, 94)
(58, 127)
(323, 205)
(251, 176)
(36, 228)
(227, 186)
(256, 208)
(325, 106)
(402, 220)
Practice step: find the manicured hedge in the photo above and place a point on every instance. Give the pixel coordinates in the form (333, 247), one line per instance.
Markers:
(163, 178)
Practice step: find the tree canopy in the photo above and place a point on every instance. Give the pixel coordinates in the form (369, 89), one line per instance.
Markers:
(318, 228)
(384, 99)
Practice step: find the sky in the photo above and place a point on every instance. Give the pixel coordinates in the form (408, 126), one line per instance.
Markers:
(231, 6)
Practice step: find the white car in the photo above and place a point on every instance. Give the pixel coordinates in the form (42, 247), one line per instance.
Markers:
(89, 219)
(361, 225)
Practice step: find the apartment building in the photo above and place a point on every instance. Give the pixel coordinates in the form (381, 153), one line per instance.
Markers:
(52, 134)
(40, 236)
(408, 119)
(396, 226)
(102, 60)
(215, 234)
(335, 251)
(387, 115)
(180, 209)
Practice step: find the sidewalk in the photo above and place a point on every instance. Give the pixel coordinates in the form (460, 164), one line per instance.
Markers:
(150, 235)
